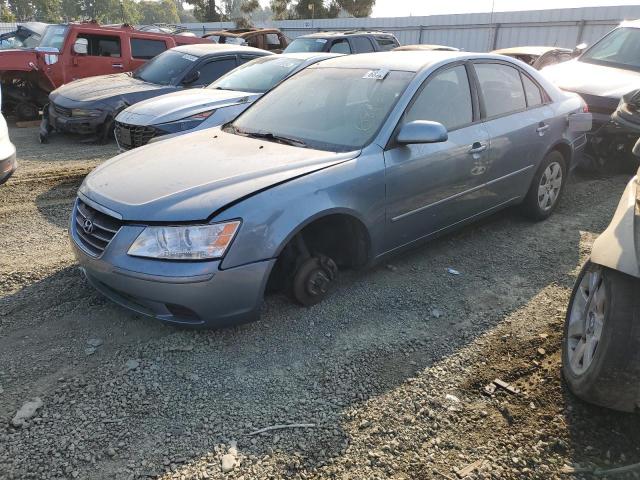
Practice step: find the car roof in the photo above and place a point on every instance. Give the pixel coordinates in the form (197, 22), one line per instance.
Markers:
(201, 49)
(344, 34)
(631, 23)
(409, 61)
(426, 47)
(309, 55)
(528, 50)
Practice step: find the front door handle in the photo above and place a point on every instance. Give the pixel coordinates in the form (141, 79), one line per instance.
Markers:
(117, 65)
(477, 147)
(543, 127)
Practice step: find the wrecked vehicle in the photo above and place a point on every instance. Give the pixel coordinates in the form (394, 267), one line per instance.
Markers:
(270, 39)
(90, 106)
(601, 347)
(537, 57)
(26, 35)
(72, 51)
(178, 113)
(601, 75)
(7, 151)
(390, 150)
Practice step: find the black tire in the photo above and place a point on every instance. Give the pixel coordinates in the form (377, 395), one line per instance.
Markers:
(531, 207)
(27, 111)
(612, 379)
(313, 280)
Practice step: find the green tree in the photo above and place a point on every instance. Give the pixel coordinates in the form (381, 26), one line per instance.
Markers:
(22, 9)
(164, 11)
(6, 15)
(206, 10)
(48, 10)
(357, 8)
(291, 9)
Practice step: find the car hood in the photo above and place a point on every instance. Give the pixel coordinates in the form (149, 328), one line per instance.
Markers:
(105, 86)
(178, 105)
(591, 79)
(192, 176)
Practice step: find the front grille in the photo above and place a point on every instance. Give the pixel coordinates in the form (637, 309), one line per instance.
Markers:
(133, 136)
(94, 229)
(65, 112)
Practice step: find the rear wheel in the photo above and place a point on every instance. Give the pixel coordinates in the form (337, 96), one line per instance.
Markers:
(601, 346)
(546, 187)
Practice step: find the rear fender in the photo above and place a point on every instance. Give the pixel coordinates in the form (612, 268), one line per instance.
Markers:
(617, 247)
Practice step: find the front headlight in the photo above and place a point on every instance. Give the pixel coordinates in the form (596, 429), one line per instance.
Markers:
(81, 112)
(189, 242)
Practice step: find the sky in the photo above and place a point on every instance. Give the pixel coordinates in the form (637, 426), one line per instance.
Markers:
(401, 8)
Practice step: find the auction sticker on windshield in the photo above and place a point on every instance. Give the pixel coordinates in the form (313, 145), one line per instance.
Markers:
(191, 58)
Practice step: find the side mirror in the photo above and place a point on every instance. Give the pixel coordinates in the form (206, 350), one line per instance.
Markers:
(636, 149)
(191, 77)
(579, 49)
(81, 46)
(422, 131)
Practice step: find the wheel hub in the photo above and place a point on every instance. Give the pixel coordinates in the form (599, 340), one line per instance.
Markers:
(318, 283)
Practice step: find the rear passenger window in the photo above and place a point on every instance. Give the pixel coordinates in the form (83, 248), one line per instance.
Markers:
(340, 46)
(446, 99)
(532, 92)
(102, 45)
(362, 44)
(210, 72)
(501, 89)
(146, 49)
(386, 43)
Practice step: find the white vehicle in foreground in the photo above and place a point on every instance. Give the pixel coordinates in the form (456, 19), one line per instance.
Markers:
(7, 151)
(186, 111)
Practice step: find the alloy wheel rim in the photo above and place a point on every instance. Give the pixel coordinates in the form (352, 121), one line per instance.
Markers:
(549, 187)
(586, 321)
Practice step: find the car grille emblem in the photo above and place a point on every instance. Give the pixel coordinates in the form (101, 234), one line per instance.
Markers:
(87, 226)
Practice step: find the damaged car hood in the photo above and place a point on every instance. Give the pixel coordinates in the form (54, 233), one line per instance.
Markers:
(191, 177)
(178, 105)
(592, 79)
(107, 86)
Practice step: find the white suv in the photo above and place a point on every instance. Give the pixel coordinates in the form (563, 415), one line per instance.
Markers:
(7, 151)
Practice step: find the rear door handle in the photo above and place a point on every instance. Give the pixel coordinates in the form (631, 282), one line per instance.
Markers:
(477, 147)
(117, 65)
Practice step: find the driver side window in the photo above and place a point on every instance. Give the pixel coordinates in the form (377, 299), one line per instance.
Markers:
(210, 72)
(446, 99)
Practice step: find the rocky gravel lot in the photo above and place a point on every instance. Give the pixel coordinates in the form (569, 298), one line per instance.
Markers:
(385, 378)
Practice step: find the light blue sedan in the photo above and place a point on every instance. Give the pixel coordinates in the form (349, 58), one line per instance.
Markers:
(182, 112)
(347, 162)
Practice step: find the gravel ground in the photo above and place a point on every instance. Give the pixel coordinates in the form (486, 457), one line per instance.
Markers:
(387, 375)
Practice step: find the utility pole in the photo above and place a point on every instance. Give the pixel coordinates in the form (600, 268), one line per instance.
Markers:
(312, 7)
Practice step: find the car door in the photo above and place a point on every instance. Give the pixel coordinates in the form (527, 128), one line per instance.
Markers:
(104, 55)
(516, 115)
(433, 186)
(213, 68)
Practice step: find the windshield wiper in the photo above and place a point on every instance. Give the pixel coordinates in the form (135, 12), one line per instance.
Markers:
(275, 138)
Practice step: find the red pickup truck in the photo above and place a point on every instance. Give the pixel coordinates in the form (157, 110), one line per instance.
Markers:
(72, 51)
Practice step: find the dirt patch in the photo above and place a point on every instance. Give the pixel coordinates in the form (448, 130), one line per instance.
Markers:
(390, 369)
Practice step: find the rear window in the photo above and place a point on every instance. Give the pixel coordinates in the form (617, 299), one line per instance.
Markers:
(306, 45)
(386, 43)
(146, 49)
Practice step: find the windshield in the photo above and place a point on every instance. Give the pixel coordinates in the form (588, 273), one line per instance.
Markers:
(620, 48)
(306, 45)
(54, 37)
(345, 111)
(259, 75)
(166, 69)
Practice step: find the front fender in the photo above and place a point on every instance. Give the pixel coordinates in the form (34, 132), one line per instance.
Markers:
(272, 217)
(617, 246)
